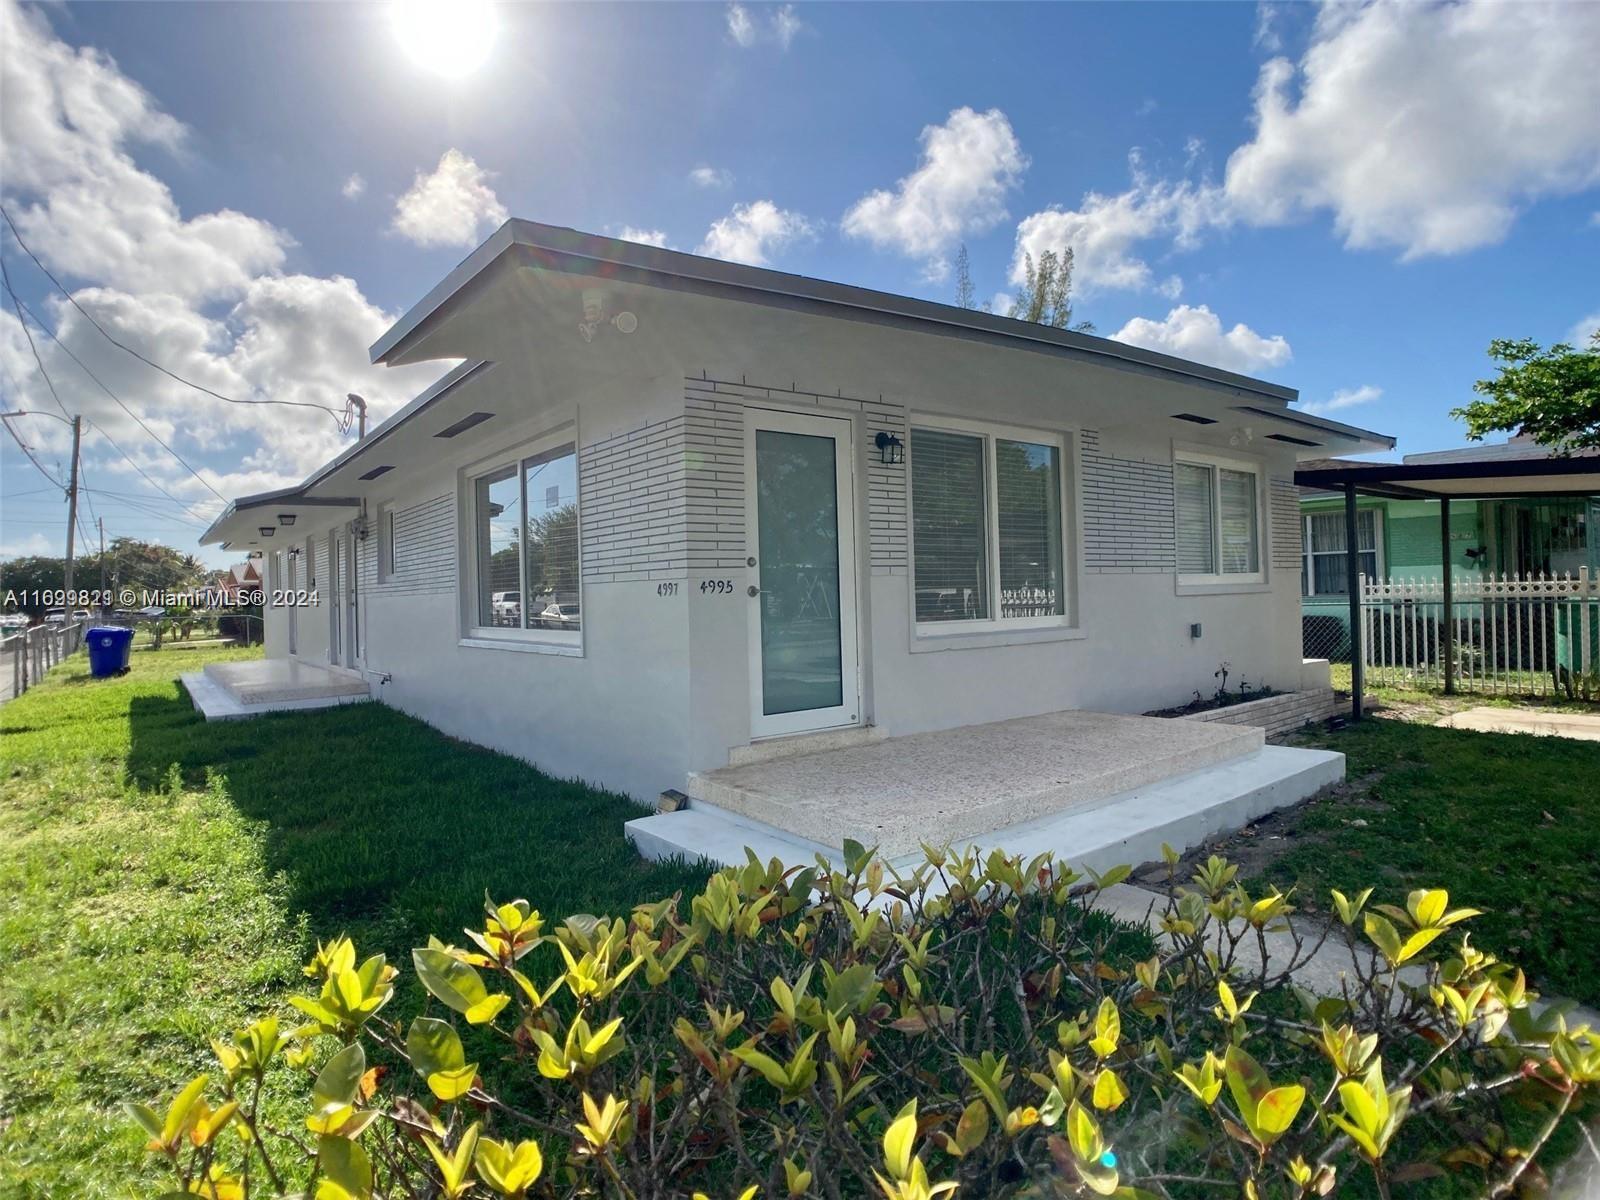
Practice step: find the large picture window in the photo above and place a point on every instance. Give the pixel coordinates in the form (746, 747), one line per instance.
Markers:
(525, 521)
(987, 534)
(1218, 521)
(1324, 572)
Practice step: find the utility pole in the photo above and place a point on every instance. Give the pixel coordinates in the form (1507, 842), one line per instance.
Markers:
(72, 507)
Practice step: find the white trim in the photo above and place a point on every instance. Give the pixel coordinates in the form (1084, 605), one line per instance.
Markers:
(1219, 581)
(992, 630)
(842, 431)
(471, 633)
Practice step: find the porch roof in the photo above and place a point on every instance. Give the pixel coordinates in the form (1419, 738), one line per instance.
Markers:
(1489, 477)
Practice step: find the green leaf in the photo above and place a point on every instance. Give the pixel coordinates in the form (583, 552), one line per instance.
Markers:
(339, 1082)
(346, 1170)
(456, 984)
(1277, 1110)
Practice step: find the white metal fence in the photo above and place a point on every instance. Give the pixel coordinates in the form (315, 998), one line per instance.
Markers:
(25, 656)
(1511, 635)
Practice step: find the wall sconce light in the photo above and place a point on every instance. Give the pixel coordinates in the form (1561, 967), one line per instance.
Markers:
(890, 448)
(267, 530)
(285, 519)
(595, 316)
(294, 551)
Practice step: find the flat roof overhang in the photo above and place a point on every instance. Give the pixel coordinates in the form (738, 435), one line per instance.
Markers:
(559, 249)
(1481, 479)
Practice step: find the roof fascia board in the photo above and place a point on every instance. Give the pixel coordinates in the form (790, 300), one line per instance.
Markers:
(574, 252)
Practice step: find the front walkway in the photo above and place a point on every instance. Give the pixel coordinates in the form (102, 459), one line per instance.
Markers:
(1488, 719)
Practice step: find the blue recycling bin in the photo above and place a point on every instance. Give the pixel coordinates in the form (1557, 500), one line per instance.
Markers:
(109, 647)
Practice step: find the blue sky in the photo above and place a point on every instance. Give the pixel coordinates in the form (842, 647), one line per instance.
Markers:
(1348, 200)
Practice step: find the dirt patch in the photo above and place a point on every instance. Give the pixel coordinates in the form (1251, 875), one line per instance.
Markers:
(1254, 847)
(1206, 703)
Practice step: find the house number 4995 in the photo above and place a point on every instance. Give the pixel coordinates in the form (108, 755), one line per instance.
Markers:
(716, 587)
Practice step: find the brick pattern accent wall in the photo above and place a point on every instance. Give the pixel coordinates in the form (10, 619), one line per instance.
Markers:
(631, 490)
(715, 419)
(1127, 513)
(1275, 714)
(1285, 520)
(424, 550)
(714, 450)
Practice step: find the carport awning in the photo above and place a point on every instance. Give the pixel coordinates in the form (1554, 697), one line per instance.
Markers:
(1487, 478)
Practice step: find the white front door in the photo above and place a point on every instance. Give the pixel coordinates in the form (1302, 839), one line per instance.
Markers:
(335, 593)
(294, 576)
(800, 507)
(352, 596)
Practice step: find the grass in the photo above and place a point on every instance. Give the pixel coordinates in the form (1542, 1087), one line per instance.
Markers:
(162, 879)
(1509, 823)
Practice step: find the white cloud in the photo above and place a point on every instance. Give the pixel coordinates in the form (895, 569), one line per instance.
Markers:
(752, 232)
(1195, 332)
(747, 29)
(1267, 36)
(35, 544)
(1583, 330)
(968, 165)
(741, 27)
(711, 177)
(1104, 232)
(70, 118)
(646, 237)
(453, 206)
(1342, 399)
(353, 187)
(1425, 127)
(201, 295)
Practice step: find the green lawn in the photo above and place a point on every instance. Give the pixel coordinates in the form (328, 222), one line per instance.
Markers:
(162, 879)
(1509, 823)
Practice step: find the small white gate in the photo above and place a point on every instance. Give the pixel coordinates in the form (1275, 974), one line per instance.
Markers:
(1510, 635)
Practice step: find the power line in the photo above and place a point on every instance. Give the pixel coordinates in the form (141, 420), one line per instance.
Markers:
(335, 414)
(147, 478)
(24, 445)
(10, 291)
(23, 308)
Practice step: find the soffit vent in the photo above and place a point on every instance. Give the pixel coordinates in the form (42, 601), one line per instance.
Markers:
(376, 471)
(1293, 441)
(461, 426)
(1194, 418)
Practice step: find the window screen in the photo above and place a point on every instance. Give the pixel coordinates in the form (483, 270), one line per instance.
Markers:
(950, 520)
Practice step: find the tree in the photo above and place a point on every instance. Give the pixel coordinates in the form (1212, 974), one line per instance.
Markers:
(1046, 295)
(1553, 395)
(965, 296)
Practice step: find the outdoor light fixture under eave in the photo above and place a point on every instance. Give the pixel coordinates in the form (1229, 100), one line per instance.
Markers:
(286, 519)
(890, 448)
(266, 530)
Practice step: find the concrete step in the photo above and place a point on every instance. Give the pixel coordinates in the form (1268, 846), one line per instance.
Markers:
(768, 749)
(1182, 810)
(216, 703)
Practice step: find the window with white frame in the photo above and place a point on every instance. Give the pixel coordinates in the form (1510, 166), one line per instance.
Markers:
(1218, 521)
(386, 543)
(988, 541)
(525, 571)
(1324, 571)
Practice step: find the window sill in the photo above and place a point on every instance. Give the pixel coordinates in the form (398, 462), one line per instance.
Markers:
(924, 643)
(1222, 587)
(523, 646)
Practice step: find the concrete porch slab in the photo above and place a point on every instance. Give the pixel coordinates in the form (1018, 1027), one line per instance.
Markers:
(1182, 810)
(959, 785)
(223, 691)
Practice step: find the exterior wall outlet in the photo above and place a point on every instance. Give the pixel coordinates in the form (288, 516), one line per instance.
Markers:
(1194, 630)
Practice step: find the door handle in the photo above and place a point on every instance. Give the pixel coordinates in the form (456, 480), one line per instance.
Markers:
(753, 590)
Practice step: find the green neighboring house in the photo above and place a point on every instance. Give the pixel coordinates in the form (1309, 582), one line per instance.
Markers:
(1399, 540)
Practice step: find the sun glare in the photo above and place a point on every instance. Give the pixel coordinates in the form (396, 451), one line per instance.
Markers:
(448, 37)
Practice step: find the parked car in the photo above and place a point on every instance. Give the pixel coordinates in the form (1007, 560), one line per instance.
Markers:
(82, 614)
(559, 616)
(506, 607)
(55, 616)
(13, 622)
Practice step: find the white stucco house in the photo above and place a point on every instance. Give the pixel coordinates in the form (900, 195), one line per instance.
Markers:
(668, 508)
